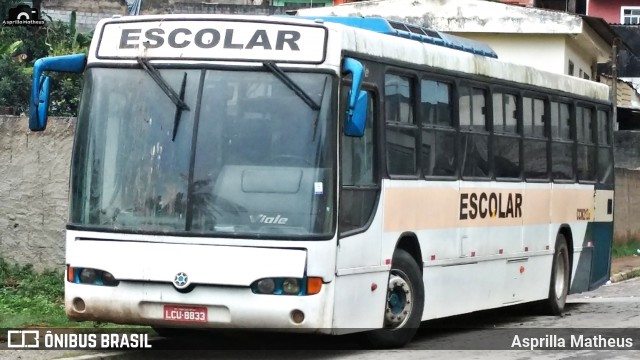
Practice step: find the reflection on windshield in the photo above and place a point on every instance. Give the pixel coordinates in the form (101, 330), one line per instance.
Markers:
(258, 169)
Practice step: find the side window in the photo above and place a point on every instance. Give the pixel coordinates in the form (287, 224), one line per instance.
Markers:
(585, 136)
(438, 148)
(398, 98)
(358, 174)
(474, 137)
(357, 153)
(561, 142)
(535, 141)
(506, 144)
(605, 158)
(401, 127)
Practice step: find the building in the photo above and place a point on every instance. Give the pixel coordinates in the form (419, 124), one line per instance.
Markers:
(625, 12)
(554, 41)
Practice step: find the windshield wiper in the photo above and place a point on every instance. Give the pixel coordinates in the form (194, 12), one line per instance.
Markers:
(178, 114)
(178, 100)
(282, 76)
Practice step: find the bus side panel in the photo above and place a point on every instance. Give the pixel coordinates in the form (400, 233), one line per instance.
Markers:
(581, 255)
(358, 304)
(602, 230)
(601, 264)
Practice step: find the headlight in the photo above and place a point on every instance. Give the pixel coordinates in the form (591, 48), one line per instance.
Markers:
(90, 276)
(108, 279)
(266, 286)
(291, 286)
(287, 286)
(87, 276)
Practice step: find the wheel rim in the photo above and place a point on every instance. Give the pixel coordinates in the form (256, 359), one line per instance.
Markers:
(399, 300)
(561, 272)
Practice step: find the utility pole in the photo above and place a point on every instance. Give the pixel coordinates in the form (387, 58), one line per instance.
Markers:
(614, 82)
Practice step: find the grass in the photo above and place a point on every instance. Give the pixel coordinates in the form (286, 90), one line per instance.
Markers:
(32, 299)
(628, 249)
(28, 298)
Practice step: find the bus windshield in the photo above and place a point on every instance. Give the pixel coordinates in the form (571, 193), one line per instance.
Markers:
(247, 157)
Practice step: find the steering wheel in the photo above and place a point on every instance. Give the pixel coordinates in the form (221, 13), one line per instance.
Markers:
(291, 158)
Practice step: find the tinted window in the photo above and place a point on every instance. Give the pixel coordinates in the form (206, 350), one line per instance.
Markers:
(398, 99)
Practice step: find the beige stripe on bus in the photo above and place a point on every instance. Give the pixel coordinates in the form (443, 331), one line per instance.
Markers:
(407, 209)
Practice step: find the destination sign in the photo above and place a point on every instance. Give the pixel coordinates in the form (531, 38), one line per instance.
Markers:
(213, 40)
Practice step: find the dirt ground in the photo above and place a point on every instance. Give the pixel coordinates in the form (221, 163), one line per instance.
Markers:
(624, 263)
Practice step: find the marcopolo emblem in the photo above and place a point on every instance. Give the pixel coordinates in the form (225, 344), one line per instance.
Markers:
(181, 280)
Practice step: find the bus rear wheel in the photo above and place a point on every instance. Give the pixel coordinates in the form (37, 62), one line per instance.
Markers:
(404, 305)
(559, 285)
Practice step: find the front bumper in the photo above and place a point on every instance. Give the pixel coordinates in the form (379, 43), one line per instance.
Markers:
(142, 303)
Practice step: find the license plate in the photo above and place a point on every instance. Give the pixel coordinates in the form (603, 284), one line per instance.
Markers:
(185, 313)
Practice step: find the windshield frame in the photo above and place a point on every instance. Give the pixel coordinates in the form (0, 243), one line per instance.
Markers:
(330, 141)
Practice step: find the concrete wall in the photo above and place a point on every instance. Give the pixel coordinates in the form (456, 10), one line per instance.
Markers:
(34, 173)
(627, 206)
(88, 13)
(545, 52)
(580, 58)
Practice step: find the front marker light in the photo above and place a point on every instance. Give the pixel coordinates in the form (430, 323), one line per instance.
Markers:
(314, 285)
(291, 286)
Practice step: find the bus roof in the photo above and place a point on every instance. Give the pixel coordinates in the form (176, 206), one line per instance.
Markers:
(378, 44)
(413, 32)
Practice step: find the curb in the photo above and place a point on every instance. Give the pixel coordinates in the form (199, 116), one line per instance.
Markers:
(626, 275)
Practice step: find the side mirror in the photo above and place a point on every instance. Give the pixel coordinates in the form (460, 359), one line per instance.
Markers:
(358, 119)
(40, 87)
(356, 116)
(43, 105)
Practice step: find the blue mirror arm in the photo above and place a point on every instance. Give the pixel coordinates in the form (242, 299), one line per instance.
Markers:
(67, 63)
(356, 69)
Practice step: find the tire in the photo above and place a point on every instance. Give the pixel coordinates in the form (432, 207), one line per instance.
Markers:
(403, 309)
(559, 284)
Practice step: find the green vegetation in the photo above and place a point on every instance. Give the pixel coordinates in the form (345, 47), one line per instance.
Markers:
(21, 46)
(628, 249)
(30, 299)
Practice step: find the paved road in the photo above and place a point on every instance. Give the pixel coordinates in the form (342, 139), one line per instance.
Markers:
(613, 306)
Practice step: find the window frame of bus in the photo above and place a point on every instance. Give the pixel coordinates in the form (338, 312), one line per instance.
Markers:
(373, 105)
(424, 126)
(515, 135)
(471, 131)
(592, 145)
(401, 127)
(532, 137)
(607, 145)
(564, 141)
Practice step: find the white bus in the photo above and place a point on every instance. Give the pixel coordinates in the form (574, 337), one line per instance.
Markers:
(330, 175)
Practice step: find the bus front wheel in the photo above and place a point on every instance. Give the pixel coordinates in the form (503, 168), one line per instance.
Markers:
(559, 285)
(404, 304)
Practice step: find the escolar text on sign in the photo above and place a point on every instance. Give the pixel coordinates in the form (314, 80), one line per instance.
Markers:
(208, 38)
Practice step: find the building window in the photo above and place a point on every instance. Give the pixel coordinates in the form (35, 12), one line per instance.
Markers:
(630, 15)
(571, 66)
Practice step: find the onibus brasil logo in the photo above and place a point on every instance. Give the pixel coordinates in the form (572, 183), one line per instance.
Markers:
(65, 339)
